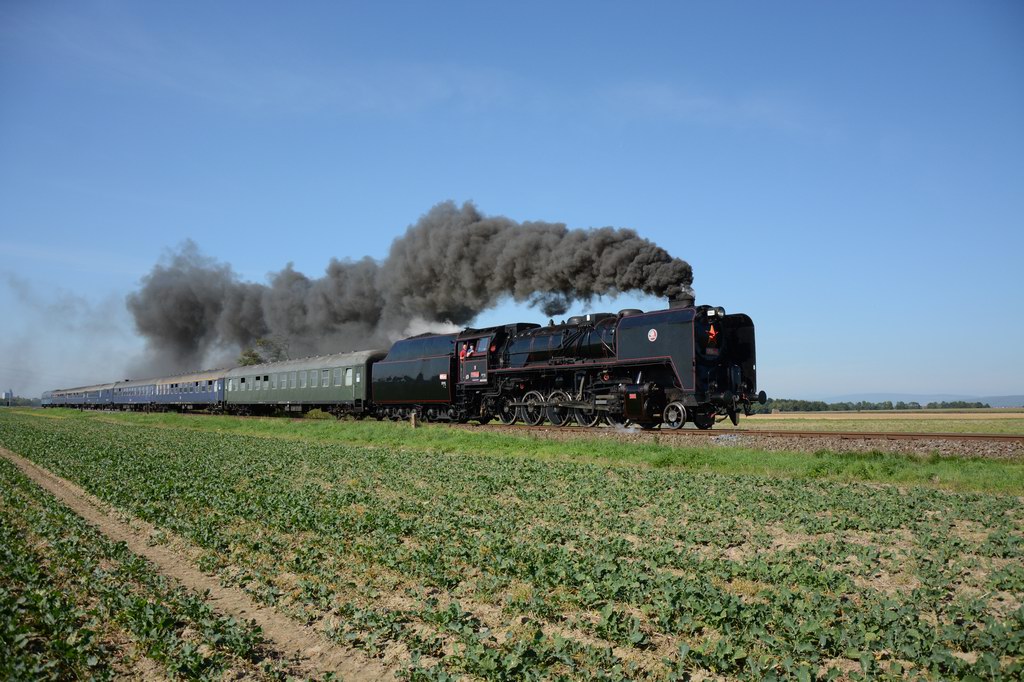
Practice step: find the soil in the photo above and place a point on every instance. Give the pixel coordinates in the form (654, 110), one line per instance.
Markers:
(312, 653)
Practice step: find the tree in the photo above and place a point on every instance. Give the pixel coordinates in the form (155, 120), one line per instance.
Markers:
(274, 350)
(264, 350)
(249, 356)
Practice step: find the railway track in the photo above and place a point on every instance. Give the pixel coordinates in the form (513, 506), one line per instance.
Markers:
(780, 433)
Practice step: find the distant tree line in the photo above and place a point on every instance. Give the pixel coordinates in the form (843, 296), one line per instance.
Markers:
(788, 405)
(21, 402)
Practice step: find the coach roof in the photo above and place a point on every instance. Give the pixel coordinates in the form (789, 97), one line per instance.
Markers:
(313, 362)
(207, 375)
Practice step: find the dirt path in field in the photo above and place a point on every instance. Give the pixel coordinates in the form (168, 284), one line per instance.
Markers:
(313, 653)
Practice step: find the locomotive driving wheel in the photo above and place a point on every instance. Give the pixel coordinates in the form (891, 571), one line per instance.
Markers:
(704, 420)
(675, 415)
(507, 414)
(587, 417)
(616, 420)
(558, 415)
(532, 411)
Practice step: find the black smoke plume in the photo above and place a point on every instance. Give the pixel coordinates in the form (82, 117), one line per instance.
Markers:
(446, 269)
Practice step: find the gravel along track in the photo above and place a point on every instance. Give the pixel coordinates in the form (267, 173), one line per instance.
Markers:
(920, 445)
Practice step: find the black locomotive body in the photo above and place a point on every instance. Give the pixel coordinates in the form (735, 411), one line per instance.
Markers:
(686, 363)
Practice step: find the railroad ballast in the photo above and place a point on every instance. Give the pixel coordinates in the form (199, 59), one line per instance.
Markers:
(686, 363)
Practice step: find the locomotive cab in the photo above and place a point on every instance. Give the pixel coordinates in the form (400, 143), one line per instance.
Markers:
(725, 361)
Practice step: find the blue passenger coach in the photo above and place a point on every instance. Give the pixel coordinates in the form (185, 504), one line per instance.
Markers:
(189, 391)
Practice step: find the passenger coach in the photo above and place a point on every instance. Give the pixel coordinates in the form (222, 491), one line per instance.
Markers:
(334, 383)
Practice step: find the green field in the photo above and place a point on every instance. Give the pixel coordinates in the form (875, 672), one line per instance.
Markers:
(511, 557)
(74, 605)
(664, 452)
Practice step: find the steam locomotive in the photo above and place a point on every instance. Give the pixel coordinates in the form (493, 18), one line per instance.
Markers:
(668, 367)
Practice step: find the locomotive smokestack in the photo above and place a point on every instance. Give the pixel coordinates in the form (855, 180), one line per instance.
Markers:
(684, 299)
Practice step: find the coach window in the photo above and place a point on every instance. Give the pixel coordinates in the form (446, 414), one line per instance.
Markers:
(292, 383)
(325, 377)
(273, 382)
(312, 378)
(302, 379)
(337, 376)
(348, 376)
(284, 380)
(359, 376)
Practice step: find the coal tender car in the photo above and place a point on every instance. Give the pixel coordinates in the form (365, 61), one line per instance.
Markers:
(686, 363)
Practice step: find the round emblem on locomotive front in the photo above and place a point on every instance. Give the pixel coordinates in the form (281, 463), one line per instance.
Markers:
(652, 335)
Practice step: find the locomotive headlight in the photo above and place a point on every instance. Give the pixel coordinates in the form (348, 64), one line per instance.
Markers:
(720, 311)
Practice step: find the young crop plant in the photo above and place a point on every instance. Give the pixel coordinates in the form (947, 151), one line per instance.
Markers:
(71, 601)
(511, 567)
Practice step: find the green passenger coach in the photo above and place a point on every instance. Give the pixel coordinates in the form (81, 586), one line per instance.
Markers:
(338, 383)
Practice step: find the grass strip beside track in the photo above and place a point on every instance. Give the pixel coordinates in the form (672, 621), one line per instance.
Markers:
(1008, 422)
(951, 473)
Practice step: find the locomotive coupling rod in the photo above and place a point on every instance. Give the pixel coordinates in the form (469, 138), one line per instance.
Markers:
(570, 404)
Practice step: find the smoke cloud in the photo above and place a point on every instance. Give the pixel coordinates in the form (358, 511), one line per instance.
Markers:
(447, 268)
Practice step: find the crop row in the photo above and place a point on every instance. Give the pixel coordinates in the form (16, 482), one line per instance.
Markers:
(510, 568)
(70, 600)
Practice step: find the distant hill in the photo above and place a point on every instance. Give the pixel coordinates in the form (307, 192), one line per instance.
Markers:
(994, 401)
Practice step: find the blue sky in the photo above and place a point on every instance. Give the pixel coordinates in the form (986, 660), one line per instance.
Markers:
(849, 174)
